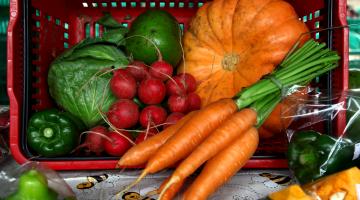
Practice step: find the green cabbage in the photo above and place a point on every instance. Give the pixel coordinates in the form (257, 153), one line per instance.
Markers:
(74, 77)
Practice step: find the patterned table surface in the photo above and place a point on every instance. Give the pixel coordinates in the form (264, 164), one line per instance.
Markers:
(95, 185)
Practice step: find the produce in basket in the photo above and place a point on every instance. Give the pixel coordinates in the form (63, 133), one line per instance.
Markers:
(76, 81)
(94, 141)
(123, 84)
(154, 29)
(123, 113)
(152, 103)
(52, 133)
(231, 44)
(81, 82)
(204, 131)
(139, 154)
(118, 144)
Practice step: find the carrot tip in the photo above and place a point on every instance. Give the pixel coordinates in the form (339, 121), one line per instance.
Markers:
(167, 186)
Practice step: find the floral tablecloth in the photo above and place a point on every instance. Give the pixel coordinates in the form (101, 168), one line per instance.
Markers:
(246, 185)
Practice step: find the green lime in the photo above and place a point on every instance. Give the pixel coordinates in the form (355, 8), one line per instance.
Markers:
(155, 27)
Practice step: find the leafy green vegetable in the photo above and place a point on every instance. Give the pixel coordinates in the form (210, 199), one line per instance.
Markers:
(77, 80)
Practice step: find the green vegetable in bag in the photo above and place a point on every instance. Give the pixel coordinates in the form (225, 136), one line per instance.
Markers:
(312, 155)
(75, 80)
(33, 186)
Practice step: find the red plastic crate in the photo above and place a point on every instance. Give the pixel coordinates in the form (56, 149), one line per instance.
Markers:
(39, 30)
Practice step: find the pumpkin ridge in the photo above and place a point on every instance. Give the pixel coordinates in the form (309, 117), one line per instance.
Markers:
(284, 21)
(216, 85)
(244, 77)
(205, 45)
(257, 12)
(227, 28)
(196, 22)
(208, 13)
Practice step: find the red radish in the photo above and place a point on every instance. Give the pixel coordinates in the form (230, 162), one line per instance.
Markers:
(123, 84)
(161, 70)
(188, 81)
(94, 140)
(178, 103)
(181, 84)
(153, 115)
(119, 144)
(151, 91)
(145, 135)
(194, 101)
(172, 119)
(138, 70)
(123, 113)
(175, 87)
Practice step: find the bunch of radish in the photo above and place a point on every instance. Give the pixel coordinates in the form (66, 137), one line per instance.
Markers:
(150, 98)
(100, 139)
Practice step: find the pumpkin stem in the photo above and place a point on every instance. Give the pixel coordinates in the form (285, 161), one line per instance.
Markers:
(230, 61)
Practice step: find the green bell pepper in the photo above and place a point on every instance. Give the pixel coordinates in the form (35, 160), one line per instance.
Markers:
(312, 155)
(33, 186)
(52, 133)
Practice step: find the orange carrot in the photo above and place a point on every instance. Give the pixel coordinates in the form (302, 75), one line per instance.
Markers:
(190, 135)
(139, 154)
(236, 125)
(171, 192)
(223, 166)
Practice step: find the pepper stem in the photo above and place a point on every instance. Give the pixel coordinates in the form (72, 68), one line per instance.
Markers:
(48, 132)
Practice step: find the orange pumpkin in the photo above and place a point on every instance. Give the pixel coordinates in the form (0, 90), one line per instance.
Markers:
(274, 123)
(231, 44)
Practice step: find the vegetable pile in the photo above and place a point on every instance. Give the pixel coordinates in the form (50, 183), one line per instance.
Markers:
(154, 101)
(223, 135)
(206, 112)
(231, 44)
(121, 101)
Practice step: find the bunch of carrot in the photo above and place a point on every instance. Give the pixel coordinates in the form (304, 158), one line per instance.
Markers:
(223, 136)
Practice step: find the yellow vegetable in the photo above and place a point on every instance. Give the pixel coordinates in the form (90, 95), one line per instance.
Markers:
(293, 192)
(341, 185)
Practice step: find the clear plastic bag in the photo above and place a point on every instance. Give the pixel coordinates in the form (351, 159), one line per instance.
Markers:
(324, 134)
(9, 177)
